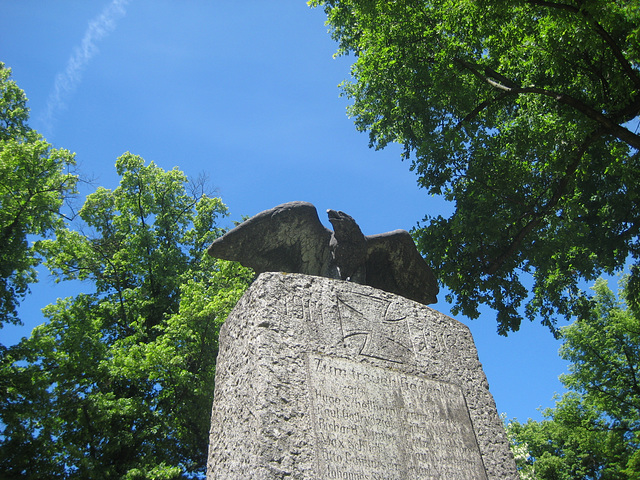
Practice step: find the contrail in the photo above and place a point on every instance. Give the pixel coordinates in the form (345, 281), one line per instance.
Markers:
(67, 81)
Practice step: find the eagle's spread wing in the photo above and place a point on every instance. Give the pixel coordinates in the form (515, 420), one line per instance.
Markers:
(287, 238)
(394, 265)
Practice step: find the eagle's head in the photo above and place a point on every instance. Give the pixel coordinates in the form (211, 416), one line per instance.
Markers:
(344, 226)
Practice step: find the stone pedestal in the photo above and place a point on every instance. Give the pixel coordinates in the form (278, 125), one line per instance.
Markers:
(323, 379)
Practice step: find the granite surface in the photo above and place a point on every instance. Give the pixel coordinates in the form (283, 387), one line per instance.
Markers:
(319, 378)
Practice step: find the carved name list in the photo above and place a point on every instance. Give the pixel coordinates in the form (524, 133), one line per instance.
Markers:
(375, 423)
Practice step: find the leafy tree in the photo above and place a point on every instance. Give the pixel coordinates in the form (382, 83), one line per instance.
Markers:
(119, 382)
(594, 430)
(524, 114)
(35, 179)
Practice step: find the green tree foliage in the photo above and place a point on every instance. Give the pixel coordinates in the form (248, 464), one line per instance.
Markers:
(35, 179)
(524, 114)
(119, 382)
(594, 430)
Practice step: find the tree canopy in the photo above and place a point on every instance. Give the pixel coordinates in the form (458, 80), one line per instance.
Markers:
(35, 180)
(523, 114)
(118, 383)
(594, 430)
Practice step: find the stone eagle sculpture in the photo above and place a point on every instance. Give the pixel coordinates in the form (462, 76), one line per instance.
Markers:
(290, 238)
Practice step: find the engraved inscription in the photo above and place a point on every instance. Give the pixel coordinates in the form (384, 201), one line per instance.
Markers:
(431, 342)
(317, 324)
(375, 423)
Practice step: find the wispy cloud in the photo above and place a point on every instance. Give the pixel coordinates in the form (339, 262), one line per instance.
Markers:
(67, 81)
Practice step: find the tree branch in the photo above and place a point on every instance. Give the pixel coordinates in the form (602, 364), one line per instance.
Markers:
(488, 76)
(611, 127)
(602, 33)
(476, 111)
(512, 88)
(537, 219)
(630, 365)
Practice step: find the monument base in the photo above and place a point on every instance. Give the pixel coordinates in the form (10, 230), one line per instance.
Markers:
(324, 379)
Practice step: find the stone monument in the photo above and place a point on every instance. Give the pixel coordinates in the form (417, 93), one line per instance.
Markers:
(322, 378)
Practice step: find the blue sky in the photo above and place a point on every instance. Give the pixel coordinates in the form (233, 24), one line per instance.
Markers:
(245, 92)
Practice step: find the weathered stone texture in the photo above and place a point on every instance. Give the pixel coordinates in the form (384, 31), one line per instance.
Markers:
(324, 379)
